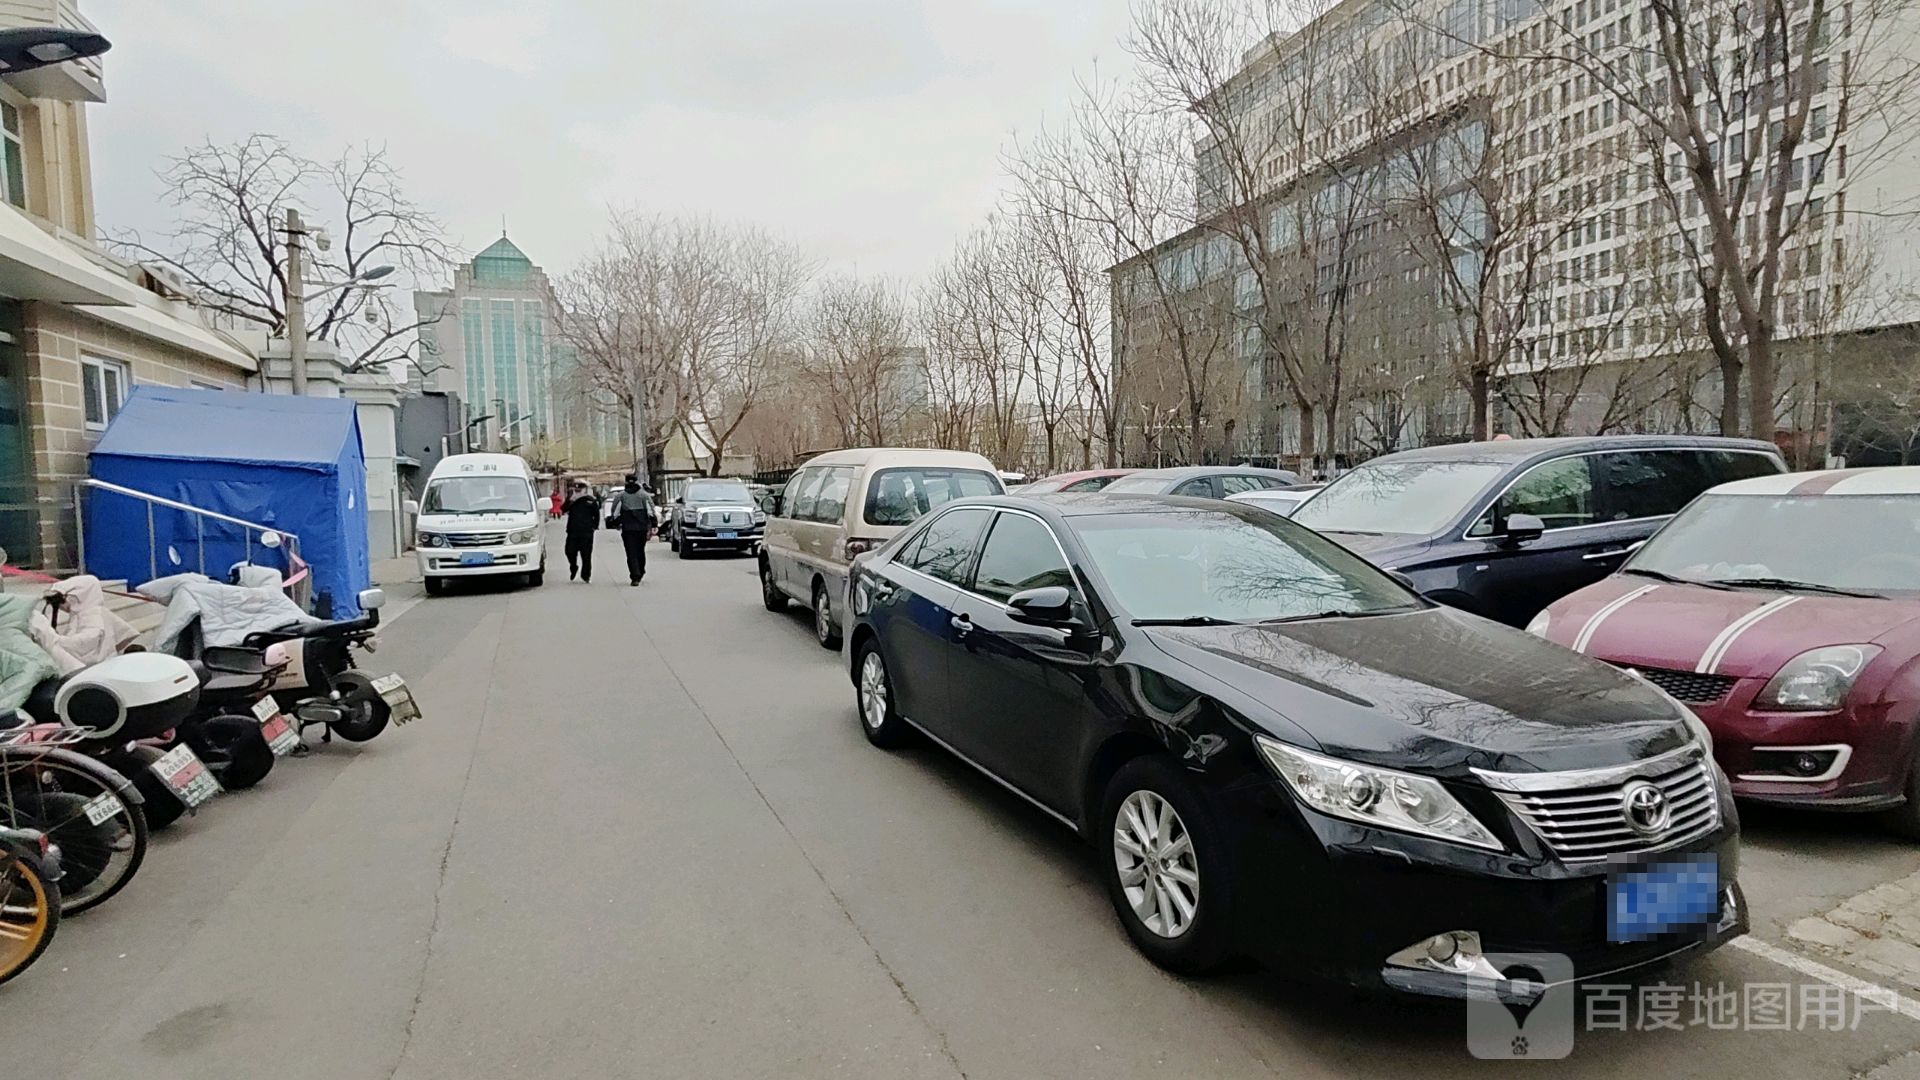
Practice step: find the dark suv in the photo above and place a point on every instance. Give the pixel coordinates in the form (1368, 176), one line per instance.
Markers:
(1504, 528)
(715, 514)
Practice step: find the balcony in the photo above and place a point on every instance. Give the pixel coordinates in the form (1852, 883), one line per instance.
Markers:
(77, 80)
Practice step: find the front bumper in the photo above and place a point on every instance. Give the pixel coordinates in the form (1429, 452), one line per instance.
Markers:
(507, 559)
(742, 536)
(1339, 899)
(1870, 747)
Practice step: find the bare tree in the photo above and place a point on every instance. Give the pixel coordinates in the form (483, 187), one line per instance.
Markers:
(863, 373)
(230, 244)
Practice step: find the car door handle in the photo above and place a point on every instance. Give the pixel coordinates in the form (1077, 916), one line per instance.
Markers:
(961, 624)
(1609, 554)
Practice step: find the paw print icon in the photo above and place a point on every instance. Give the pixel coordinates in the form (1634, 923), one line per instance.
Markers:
(1519, 1046)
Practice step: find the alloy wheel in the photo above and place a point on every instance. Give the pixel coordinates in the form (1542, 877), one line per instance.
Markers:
(1158, 870)
(873, 691)
(822, 614)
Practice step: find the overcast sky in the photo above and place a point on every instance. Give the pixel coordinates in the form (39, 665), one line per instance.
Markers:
(870, 130)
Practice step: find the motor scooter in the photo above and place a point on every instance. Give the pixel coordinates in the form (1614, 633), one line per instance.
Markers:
(322, 687)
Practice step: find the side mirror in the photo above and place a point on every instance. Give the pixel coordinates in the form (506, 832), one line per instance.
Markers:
(411, 507)
(1049, 605)
(1522, 528)
(373, 599)
(1403, 579)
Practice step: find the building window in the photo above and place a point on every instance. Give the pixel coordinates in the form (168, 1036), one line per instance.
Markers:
(103, 387)
(13, 168)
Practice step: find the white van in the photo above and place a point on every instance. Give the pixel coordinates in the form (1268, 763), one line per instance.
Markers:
(479, 515)
(846, 502)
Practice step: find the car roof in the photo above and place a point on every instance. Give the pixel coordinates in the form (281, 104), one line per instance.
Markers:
(903, 455)
(1082, 474)
(1892, 480)
(1185, 472)
(1071, 504)
(1516, 450)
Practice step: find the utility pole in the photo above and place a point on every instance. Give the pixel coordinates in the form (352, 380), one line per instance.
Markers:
(296, 305)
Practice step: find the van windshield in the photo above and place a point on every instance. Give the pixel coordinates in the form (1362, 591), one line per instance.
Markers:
(897, 496)
(478, 495)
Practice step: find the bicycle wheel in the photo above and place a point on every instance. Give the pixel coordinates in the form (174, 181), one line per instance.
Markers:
(29, 911)
(77, 803)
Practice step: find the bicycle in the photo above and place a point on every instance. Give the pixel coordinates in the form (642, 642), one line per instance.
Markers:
(29, 900)
(88, 811)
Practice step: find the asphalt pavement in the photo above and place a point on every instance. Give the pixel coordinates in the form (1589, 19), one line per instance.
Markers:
(638, 834)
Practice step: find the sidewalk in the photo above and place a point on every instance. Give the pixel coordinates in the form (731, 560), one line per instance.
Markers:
(395, 571)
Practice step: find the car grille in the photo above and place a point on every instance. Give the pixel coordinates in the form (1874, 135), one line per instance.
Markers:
(726, 519)
(1690, 686)
(476, 539)
(1585, 823)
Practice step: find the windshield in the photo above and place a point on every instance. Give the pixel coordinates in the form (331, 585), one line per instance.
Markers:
(719, 491)
(1208, 564)
(1860, 542)
(478, 495)
(1417, 497)
(1137, 485)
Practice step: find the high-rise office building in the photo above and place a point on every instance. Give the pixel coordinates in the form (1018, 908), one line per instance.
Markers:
(493, 335)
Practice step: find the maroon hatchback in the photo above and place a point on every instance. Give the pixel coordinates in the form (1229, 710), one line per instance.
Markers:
(1785, 610)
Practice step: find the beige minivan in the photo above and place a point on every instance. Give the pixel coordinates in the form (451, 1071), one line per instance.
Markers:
(846, 502)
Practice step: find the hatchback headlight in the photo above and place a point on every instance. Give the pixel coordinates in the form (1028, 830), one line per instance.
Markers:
(1374, 796)
(427, 539)
(522, 536)
(1816, 680)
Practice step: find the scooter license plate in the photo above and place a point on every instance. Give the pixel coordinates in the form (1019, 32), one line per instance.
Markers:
(186, 776)
(394, 691)
(103, 808)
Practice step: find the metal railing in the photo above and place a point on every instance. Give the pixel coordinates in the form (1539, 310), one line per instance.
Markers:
(299, 583)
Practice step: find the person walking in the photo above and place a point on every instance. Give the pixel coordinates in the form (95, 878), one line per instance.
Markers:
(583, 517)
(632, 510)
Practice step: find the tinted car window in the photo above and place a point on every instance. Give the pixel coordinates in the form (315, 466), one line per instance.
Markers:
(1198, 488)
(1138, 485)
(1418, 497)
(898, 496)
(1726, 465)
(801, 492)
(1559, 493)
(947, 546)
(1650, 483)
(1234, 485)
(1020, 553)
(831, 501)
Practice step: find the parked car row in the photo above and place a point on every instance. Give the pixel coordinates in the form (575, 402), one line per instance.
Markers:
(1301, 741)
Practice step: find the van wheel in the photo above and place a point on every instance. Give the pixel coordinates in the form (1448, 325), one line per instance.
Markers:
(770, 594)
(538, 577)
(825, 631)
(435, 585)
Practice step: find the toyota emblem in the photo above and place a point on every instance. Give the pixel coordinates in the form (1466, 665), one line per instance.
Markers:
(1645, 807)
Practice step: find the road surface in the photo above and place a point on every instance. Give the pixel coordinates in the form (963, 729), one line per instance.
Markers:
(639, 834)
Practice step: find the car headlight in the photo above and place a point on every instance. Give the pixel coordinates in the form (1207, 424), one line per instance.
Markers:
(689, 515)
(759, 517)
(522, 536)
(1816, 680)
(1374, 796)
(427, 539)
(1540, 624)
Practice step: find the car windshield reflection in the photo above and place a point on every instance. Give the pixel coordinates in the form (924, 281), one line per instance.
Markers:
(1206, 567)
(1416, 497)
(1849, 543)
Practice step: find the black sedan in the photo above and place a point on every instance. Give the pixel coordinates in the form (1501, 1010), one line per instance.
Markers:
(1278, 751)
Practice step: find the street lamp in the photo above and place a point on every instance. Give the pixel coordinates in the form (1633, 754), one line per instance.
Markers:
(364, 277)
(28, 47)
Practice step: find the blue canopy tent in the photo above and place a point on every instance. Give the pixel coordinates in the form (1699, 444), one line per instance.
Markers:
(290, 463)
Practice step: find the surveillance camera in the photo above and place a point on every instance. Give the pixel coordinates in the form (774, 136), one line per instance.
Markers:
(372, 315)
(322, 240)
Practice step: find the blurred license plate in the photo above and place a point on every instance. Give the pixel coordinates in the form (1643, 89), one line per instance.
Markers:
(1654, 900)
(393, 690)
(728, 535)
(476, 558)
(186, 776)
(103, 808)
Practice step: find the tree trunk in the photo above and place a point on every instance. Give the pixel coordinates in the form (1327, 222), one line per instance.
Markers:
(1308, 435)
(1730, 406)
(1480, 398)
(1760, 414)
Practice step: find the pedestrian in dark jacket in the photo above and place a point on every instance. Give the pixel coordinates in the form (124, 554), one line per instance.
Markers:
(632, 510)
(583, 517)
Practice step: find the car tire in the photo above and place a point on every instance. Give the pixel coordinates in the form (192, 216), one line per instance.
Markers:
(673, 540)
(683, 549)
(1190, 874)
(825, 630)
(538, 577)
(436, 586)
(770, 595)
(873, 699)
(1905, 818)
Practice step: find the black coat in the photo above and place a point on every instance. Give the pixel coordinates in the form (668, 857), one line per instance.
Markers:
(583, 514)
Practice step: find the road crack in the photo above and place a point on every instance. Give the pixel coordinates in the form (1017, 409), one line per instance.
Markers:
(899, 985)
(446, 857)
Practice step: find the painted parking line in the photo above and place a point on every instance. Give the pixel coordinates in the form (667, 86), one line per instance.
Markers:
(1814, 969)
